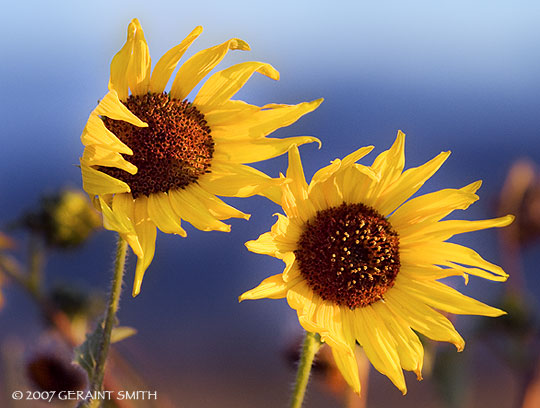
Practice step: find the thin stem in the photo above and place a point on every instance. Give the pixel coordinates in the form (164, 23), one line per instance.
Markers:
(36, 263)
(312, 343)
(110, 317)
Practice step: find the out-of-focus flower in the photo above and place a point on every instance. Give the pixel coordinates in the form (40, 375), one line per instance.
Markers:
(516, 336)
(5, 242)
(51, 373)
(77, 302)
(363, 263)
(153, 158)
(65, 220)
(51, 370)
(521, 196)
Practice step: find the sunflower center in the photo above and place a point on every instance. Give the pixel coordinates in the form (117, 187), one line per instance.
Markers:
(172, 152)
(349, 255)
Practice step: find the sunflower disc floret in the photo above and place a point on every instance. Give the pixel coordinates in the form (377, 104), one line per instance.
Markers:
(173, 151)
(349, 255)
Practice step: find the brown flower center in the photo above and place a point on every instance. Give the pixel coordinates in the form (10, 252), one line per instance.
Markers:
(172, 152)
(349, 255)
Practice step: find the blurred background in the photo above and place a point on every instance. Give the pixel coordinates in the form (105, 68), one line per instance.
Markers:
(452, 76)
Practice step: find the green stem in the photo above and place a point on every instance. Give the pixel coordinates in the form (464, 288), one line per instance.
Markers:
(312, 343)
(110, 317)
(36, 262)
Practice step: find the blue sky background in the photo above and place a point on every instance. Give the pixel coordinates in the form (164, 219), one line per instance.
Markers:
(454, 75)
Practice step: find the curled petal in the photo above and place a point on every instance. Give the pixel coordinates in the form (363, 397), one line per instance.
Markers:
(119, 66)
(198, 66)
(273, 287)
(221, 86)
(166, 64)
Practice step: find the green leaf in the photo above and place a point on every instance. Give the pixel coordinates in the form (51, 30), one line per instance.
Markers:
(122, 332)
(87, 353)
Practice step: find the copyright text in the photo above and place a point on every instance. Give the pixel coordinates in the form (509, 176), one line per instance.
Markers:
(84, 395)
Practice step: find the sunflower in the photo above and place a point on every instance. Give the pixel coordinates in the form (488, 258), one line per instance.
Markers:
(363, 264)
(152, 158)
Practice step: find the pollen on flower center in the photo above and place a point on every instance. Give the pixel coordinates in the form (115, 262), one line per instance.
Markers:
(172, 152)
(349, 255)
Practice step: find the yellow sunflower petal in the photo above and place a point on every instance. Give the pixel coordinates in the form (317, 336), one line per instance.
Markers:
(199, 65)
(187, 207)
(295, 207)
(329, 318)
(352, 158)
(263, 122)
(95, 133)
(443, 230)
(356, 182)
(288, 203)
(442, 297)
(167, 63)
(422, 318)
(433, 207)
(224, 84)
(235, 180)
(348, 367)
(286, 231)
(146, 231)
(325, 194)
(120, 222)
(295, 171)
(250, 151)
(438, 253)
(346, 362)
(302, 299)
(119, 66)
(111, 107)
(95, 155)
(138, 74)
(408, 183)
(389, 164)
(268, 244)
(292, 269)
(162, 214)
(117, 221)
(265, 244)
(229, 113)
(273, 191)
(298, 187)
(272, 288)
(281, 239)
(97, 183)
(379, 346)
(429, 272)
(326, 172)
(469, 271)
(409, 346)
(216, 207)
(124, 204)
